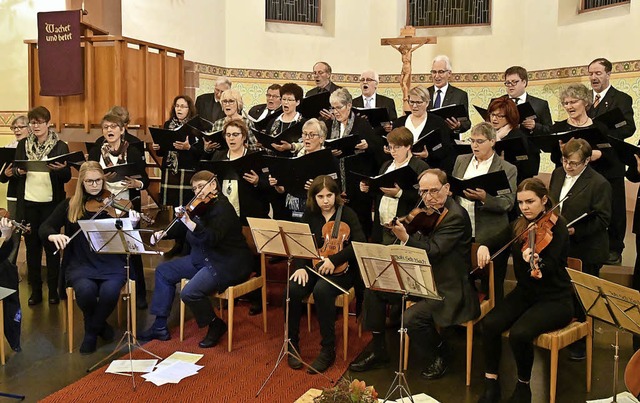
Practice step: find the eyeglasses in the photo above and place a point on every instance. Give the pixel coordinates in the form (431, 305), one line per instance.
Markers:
(270, 96)
(570, 103)
(511, 83)
(440, 72)
(310, 135)
(430, 192)
(571, 164)
(235, 134)
(367, 80)
(288, 100)
(338, 108)
(197, 189)
(178, 106)
(112, 126)
(477, 141)
(92, 182)
(38, 122)
(416, 103)
(14, 128)
(497, 115)
(395, 147)
(228, 101)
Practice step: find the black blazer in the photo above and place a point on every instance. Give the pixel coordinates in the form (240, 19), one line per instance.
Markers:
(329, 88)
(543, 115)
(381, 102)
(633, 176)
(617, 99)
(590, 194)
(208, 108)
(453, 96)
(257, 110)
(530, 167)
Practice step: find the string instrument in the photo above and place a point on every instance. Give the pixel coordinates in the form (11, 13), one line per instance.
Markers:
(25, 228)
(423, 220)
(335, 234)
(196, 207)
(632, 374)
(537, 237)
(106, 202)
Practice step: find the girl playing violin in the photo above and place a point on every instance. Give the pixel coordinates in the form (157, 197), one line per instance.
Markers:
(96, 278)
(219, 258)
(541, 302)
(323, 202)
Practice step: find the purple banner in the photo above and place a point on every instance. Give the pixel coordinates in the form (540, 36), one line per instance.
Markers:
(60, 54)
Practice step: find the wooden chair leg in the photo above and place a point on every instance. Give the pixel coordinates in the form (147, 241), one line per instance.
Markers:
(230, 307)
(133, 299)
(309, 316)
(70, 295)
(183, 282)
(264, 305)
(406, 351)
(589, 355)
(469, 326)
(345, 325)
(554, 371)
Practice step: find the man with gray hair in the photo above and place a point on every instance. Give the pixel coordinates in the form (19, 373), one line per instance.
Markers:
(370, 98)
(444, 94)
(208, 105)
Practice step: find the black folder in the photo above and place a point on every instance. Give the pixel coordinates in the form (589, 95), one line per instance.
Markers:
(592, 135)
(462, 147)
(310, 107)
(525, 110)
(494, 183)
(515, 149)
(7, 155)
(375, 116)
(74, 158)
(458, 112)
(291, 135)
(293, 173)
(216, 137)
(484, 113)
(262, 124)
(405, 177)
(236, 168)
(614, 119)
(432, 140)
(129, 169)
(200, 126)
(166, 137)
(346, 144)
(625, 151)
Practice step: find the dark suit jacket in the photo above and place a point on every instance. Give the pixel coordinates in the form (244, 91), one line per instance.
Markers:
(543, 115)
(617, 99)
(590, 194)
(257, 110)
(454, 96)
(530, 167)
(381, 102)
(449, 250)
(208, 108)
(492, 217)
(633, 175)
(329, 88)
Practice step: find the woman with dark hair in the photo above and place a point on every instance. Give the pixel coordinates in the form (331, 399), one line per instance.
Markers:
(541, 302)
(38, 194)
(96, 278)
(324, 204)
(290, 96)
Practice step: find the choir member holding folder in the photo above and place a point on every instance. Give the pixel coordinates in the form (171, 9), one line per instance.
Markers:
(633, 174)
(394, 201)
(489, 214)
(38, 194)
(232, 106)
(290, 96)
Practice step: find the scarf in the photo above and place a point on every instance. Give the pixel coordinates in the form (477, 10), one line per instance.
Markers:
(172, 156)
(121, 153)
(502, 132)
(38, 152)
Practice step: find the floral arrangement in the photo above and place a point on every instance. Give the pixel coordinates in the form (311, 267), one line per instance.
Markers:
(348, 392)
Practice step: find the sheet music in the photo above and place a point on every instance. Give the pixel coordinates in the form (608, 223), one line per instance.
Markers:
(266, 235)
(380, 274)
(100, 234)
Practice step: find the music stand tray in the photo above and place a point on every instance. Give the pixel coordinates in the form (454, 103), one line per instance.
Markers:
(117, 236)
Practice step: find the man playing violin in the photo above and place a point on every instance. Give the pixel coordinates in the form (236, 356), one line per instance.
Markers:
(542, 300)
(448, 246)
(219, 258)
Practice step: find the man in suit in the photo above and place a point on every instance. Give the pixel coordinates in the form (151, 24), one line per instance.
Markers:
(449, 249)
(444, 94)
(516, 80)
(208, 105)
(606, 98)
(322, 78)
(259, 112)
(371, 99)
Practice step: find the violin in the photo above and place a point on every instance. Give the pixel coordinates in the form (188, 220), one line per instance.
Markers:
(423, 220)
(25, 228)
(632, 374)
(537, 237)
(335, 234)
(105, 201)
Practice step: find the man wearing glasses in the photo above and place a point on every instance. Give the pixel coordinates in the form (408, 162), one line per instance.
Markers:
(516, 81)
(208, 105)
(444, 94)
(260, 112)
(370, 98)
(322, 78)
(448, 246)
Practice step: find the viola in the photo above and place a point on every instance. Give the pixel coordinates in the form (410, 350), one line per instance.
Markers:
(538, 236)
(106, 202)
(632, 374)
(423, 220)
(25, 228)
(335, 234)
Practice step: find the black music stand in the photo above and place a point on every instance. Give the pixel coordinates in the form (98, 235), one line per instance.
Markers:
(292, 240)
(400, 270)
(4, 293)
(611, 303)
(109, 236)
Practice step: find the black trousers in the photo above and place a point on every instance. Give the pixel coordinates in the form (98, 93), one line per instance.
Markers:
(527, 319)
(97, 299)
(618, 224)
(35, 214)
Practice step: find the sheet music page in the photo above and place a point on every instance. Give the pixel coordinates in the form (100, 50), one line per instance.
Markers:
(415, 270)
(266, 235)
(300, 241)
(373, 259)
(100, 234)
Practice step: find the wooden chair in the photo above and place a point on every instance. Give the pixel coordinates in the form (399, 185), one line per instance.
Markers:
(343, 302)
(236, 291)
(71, 296)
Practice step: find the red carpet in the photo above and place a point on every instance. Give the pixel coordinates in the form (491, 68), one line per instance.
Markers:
(226, 377)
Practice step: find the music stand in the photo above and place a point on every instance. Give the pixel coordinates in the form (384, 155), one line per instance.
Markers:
(117, 236)
(4, 293)
(292, 240)
(611, 303)
(400, 270)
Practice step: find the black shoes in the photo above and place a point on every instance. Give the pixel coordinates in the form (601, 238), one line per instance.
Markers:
(522, 393)
(154, 334)
(325, 359)
(294, 362)
(107, 334)
(370, 361)
(255, 309)
(141, 303)
(436, 370)
(492, 392)
(89, 343)
(35, 298)
(54, 299)
(216, 329)
(577, 351)
(615, 258)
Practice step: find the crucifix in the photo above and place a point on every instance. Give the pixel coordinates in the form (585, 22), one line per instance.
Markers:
(406, 44)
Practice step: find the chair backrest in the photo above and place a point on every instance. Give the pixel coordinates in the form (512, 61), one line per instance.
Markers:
(574, 264)
(246, 231)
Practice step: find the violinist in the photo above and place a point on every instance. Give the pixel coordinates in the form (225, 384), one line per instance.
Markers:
(110, 150)
(323, 205)
(542, 299)
(96, 278)
(394, 202)
(489, 214)
(448, 245)
(219, 258)
(9, 279)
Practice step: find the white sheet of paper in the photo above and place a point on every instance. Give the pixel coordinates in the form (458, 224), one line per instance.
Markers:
(119, 366)
(173, 373)
(419, 398)
(180, 356)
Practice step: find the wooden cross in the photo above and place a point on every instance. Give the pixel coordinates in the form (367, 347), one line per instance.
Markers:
(406, 44)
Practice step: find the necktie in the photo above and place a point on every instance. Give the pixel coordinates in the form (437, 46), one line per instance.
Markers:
(516, 100)
(368, 103)
(438, 101)
(596, 102)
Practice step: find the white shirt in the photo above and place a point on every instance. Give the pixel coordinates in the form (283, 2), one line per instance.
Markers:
(475, 168)
(568, 183)
(372, 102)
(443, 93)
(389, 205)
(117, 186)
(521, 99)
(602, 94)
(416, 131)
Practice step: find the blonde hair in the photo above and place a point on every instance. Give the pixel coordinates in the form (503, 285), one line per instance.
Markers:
(76, 203)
